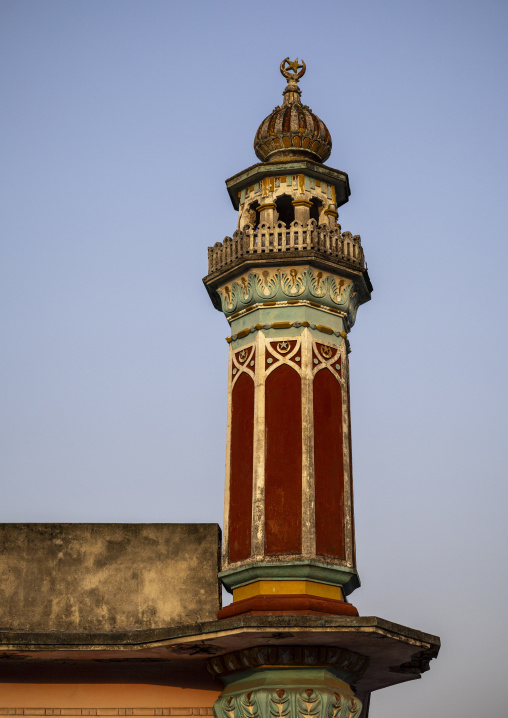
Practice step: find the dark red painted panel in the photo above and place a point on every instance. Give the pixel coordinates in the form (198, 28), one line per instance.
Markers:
(351, 472)
(283, 467)
(328, 465)
(241, 467)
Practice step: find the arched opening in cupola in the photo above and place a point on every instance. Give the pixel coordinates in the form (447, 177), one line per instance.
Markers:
(285, 209)
(253, 214)
(317, 205)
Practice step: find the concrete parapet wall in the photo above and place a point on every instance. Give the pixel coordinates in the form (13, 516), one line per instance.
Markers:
(107, 577)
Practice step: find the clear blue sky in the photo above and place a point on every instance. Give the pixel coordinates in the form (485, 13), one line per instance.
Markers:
(120, 122)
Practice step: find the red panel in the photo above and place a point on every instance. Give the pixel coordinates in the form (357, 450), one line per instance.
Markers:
(287, 603)
(283, 467)
(351, 472)
(242, 457)
(328, 465)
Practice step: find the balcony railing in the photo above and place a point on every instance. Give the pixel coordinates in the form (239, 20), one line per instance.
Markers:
(296, 237)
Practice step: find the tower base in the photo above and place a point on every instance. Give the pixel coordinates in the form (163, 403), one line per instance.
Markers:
(270, 604)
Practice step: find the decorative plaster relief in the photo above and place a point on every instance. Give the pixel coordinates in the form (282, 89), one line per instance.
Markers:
(244, 361)
(293, 684)
(324, 355)
(281, 284)
(283, 351)
(296, 186)
(340, 659)
(289, 703)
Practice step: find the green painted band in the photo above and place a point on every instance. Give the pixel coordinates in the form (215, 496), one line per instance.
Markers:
(343, 576)
(318, 677)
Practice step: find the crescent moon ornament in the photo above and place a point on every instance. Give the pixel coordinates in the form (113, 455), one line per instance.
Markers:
(297, 69)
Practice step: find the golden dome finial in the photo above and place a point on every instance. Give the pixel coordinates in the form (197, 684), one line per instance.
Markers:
(292, 131)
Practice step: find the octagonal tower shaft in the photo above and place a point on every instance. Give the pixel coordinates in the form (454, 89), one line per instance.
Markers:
(289, 282)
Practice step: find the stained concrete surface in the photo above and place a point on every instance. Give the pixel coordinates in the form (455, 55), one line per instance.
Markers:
(107, 577)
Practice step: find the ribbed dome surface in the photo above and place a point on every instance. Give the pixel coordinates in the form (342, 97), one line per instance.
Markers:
(292, 130)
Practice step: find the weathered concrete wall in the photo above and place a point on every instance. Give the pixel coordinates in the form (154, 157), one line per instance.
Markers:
(107, 577)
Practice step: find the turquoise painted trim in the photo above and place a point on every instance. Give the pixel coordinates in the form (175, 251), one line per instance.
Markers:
(288, 313)
(277, 677)
(286, 333)
(343, 576)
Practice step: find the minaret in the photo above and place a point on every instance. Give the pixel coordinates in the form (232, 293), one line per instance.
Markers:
(289, 282)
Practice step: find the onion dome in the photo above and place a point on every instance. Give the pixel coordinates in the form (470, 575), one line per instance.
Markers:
(292, 131)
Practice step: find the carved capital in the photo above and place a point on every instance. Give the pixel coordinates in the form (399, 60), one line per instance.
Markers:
(290, 702)
(351, 666)
(288, 682)
(281, 284)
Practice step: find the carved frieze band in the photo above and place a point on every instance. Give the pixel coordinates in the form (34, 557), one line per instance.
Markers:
(281, 284)
(289, 351)
(286, 656)
(289, 702)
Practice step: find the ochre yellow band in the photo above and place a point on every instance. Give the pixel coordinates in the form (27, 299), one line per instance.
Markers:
(309, 588)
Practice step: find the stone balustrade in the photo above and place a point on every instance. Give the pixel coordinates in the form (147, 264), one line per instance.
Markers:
(279, 238)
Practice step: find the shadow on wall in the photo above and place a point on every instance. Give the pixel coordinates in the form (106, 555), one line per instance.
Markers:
(99, 671)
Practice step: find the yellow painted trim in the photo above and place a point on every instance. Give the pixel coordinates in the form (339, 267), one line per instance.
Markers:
(309, 588)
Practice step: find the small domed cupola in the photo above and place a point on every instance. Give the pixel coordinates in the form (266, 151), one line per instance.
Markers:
(292, 131)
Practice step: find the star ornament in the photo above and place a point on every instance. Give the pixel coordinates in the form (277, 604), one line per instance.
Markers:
(292, 69)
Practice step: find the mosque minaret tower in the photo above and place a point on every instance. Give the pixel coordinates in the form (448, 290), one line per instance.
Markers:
(289, 282)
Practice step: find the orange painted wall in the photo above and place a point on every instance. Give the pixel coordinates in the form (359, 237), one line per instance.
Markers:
(102, 696)
(99, 685)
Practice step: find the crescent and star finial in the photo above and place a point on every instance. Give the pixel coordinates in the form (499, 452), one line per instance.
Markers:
(297, 69)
